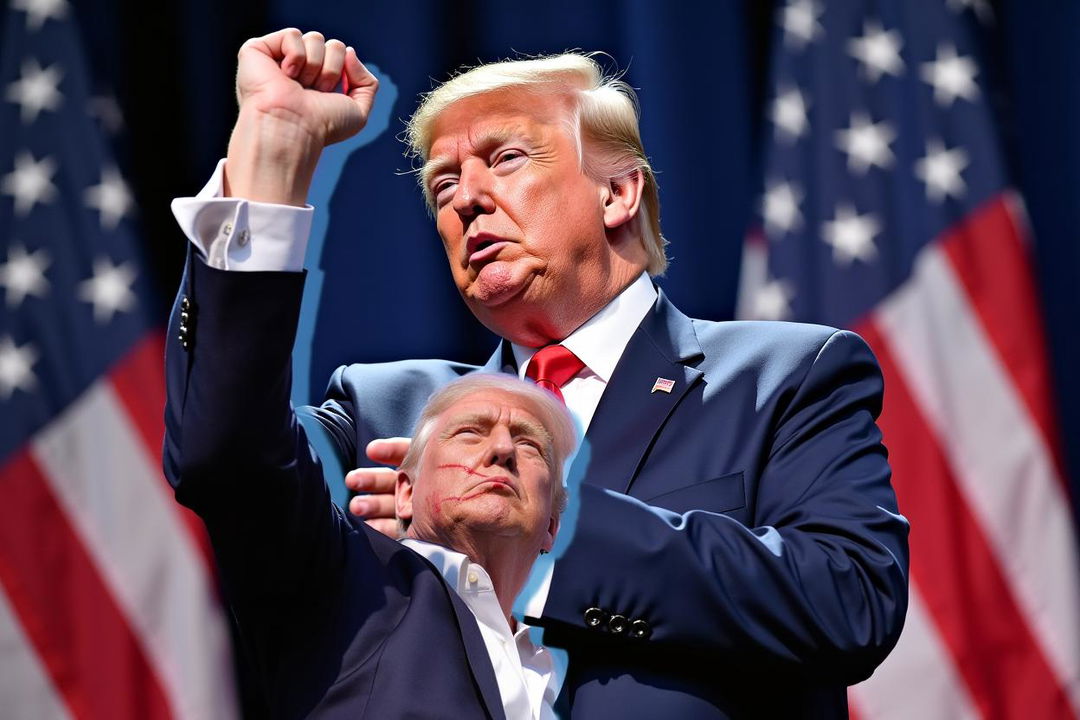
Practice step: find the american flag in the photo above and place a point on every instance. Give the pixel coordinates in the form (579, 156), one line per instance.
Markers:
(887, 209)
(108, 605)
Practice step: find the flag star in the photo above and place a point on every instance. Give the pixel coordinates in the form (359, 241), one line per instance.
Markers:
(780, 208)
(107, 111)
(789, 113)
(951, 75)
(109, 289)
(30, 182)
(111, 198)
(800, 21)
(772, 301)
(16, 367)
(878, 50)
(851, 235)
(940, 169)
(982, 8)
(38, 11)
(866, 143)
(24, 274)
(36, 89)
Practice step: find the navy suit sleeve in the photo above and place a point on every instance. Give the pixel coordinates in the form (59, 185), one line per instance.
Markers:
(816, 582)
(234, 450)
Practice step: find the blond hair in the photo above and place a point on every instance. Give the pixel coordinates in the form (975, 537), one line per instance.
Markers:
(604, 120)
(549, 410)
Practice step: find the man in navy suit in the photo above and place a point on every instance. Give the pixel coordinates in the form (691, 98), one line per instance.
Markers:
(336, 619)
(738, 550)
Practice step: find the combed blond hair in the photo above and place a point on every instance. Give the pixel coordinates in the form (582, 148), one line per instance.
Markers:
(549, 410)
(604, 125)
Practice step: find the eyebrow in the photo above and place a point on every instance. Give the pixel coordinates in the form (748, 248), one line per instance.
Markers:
(519, 427)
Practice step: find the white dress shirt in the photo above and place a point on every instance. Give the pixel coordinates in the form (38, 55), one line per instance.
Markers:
(526, 673)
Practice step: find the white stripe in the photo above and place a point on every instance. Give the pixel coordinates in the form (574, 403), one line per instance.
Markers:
(117, 501)
(918, 680)
(994, 450)
(26, 691)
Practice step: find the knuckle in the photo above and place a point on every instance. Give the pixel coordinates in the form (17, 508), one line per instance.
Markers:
(335, 43)
(314, 35)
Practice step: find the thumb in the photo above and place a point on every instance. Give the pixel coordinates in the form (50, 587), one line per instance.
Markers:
(358, 82)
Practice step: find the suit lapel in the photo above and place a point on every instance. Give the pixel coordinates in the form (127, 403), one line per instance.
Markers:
(479, 660)
(631, 412)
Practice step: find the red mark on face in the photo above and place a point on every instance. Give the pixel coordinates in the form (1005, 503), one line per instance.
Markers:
(466, 468)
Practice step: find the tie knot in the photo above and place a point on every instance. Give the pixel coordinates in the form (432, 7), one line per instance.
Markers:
(552, 367)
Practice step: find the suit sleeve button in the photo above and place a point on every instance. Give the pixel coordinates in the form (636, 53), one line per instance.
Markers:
(640, 629)
(617, 624)
(595, 617)
(185, 304)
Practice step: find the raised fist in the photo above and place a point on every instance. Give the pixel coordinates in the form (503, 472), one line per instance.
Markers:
(297, 94)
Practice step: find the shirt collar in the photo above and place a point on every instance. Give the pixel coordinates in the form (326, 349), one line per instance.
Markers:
(470, 580)
(601, 340)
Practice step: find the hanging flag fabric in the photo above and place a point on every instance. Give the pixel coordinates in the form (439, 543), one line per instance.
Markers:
(887, 209)
(108, 605)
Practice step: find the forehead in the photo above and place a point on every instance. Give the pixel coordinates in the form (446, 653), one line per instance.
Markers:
(494, 406)
(497, 115)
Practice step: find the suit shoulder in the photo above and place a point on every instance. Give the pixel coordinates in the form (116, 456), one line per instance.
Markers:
(767, 336)
(401, 378)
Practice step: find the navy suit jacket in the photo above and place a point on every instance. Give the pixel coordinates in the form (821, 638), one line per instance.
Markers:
(739, 552)
(336, 620)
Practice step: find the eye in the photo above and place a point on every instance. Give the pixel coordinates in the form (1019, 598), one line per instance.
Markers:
(508, 159)
(531, 444)
(443, 189)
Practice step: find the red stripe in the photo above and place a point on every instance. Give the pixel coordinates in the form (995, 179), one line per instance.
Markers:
(992, 262)
(965, 591)
(139, 381)
(93, 656)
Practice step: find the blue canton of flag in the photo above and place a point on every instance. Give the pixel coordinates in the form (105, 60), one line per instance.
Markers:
(107, 602)
(887, 209)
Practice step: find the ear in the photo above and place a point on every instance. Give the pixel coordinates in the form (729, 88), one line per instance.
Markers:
(622, 196)
(549, 536)
(403, 488)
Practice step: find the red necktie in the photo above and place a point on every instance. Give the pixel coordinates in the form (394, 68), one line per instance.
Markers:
(552, 367)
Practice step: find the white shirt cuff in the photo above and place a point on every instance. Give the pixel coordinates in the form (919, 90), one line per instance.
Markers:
(237, 234)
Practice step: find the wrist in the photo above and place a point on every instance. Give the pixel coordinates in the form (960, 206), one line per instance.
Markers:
(271, 159)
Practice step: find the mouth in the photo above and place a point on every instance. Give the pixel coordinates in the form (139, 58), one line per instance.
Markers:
(483, 247)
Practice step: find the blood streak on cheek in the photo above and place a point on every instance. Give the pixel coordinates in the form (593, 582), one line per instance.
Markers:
(459, 466)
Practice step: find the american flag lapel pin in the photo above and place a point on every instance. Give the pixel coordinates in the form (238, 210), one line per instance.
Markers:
(663, 385)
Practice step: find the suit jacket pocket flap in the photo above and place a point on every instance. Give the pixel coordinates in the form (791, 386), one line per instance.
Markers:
(720, 494)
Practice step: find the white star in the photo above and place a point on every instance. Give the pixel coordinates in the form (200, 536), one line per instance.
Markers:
(24, 274)
(878, 50)
(107, 110)
(111, 198)
(940, 170)
(772, 301)
(15, 367)
(866, 143)
(38, 11)
(982, 8)
(800, 21)
(780, 208)
(851, 235)
(30, 182)
(951, 75)
(109, 289)
(789, 113)
(36, 90)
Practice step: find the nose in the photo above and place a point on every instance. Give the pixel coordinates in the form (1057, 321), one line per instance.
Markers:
(501, 451)
(473, 195)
